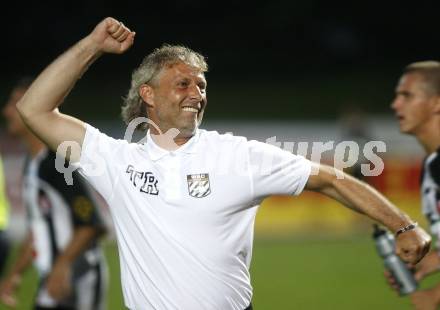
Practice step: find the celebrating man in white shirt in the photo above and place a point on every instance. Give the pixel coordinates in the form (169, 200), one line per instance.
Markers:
(184, 202)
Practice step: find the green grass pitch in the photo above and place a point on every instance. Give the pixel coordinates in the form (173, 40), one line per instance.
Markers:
(294, 274)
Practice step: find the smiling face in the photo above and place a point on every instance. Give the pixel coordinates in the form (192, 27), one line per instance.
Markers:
(177, 99)
(414, 104)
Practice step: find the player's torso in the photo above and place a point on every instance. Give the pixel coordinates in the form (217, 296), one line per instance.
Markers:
(49, 216)
(430, 192)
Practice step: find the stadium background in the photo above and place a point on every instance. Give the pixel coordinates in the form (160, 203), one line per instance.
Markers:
(297, 70)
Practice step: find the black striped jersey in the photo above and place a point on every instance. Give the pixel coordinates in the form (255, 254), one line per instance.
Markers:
(54, 209)
(430, 191)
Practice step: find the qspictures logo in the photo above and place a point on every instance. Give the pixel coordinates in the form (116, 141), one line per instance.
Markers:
(347, 154)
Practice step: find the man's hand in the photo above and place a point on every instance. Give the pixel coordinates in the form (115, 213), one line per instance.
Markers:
(426, 299)
(391, 281)
(111, 36)
(58, 283)
(429, 264)
(413, 245)
(8, 288)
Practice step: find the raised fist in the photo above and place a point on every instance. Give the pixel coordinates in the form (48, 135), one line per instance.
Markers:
(112, 36)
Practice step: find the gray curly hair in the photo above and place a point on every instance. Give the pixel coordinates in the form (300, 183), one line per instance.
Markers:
(146, 73)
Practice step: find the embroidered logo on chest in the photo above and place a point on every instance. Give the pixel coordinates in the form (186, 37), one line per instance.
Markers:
(145, 180)
(198, 185)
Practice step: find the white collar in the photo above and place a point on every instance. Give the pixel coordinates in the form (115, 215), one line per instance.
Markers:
(156, 152)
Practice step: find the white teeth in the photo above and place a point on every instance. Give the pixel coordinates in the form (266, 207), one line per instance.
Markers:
(188, 109)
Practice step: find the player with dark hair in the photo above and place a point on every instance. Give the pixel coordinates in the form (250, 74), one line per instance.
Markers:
(184, 202)
(64, 228)
(417, 107)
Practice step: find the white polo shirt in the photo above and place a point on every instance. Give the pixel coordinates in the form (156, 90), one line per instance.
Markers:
(184, 219)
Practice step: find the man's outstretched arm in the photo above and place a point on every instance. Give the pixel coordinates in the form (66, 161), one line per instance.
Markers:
(39, 106)
(411, 245)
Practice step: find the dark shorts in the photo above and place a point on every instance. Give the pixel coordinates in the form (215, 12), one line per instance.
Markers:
(4, 250)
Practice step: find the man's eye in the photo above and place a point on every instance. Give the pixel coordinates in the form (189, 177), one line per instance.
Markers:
(183, 84)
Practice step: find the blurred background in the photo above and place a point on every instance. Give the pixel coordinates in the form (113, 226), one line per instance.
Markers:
(303, 71)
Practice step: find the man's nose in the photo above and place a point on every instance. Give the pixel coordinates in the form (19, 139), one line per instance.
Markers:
(395, 104)
(195, 92)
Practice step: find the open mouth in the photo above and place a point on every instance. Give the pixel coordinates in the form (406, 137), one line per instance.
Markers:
(190, 109)
(194, 107)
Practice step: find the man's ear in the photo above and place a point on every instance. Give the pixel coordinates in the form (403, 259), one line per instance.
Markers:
(437, 105)
(147, 94)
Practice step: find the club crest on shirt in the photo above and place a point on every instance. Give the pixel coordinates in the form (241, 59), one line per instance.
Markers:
(198, 185)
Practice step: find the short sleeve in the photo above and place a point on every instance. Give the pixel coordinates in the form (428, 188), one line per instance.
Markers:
(98, 160)
(275, 171)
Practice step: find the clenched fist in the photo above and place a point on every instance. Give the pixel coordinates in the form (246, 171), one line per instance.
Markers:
(112, 36)
(413, 245)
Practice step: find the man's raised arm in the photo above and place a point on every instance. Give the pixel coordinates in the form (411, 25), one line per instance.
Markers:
(39, 106)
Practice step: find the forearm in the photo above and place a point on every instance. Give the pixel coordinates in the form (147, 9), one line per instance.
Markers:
(24, 257)
(358, 196)
(429, 265)
(81, 239)
(436, 294)
(39, 105)
(365, 199)
(434, 262)
(55, 82)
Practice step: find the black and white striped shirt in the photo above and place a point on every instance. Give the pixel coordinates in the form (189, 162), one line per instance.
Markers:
(54, 210)
(430, 191)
